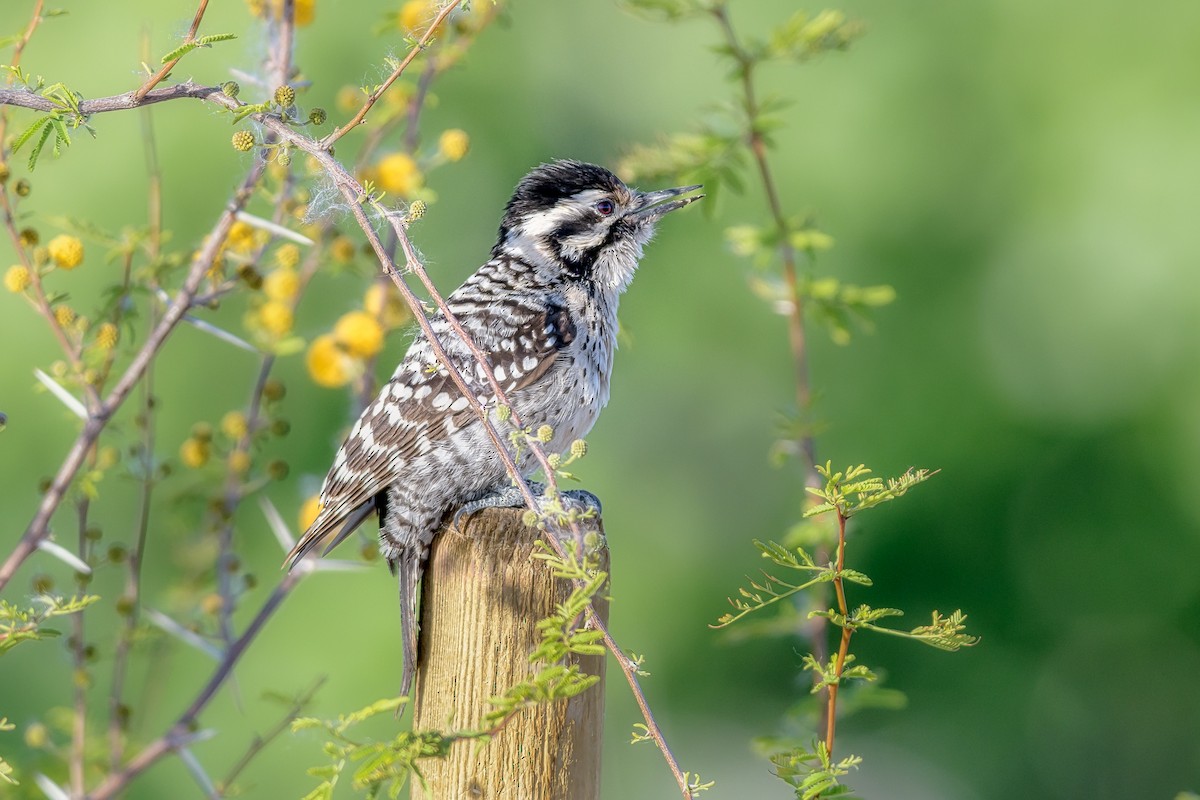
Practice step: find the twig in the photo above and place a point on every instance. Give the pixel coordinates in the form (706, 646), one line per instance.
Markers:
(374, 96)
(260, 741)
(160, 76)
(847, 632)
(117, 720)
(78, 756)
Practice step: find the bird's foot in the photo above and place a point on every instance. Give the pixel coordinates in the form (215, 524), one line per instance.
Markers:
(510, 497)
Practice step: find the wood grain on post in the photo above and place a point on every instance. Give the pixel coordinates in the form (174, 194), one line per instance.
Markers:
(483, 597)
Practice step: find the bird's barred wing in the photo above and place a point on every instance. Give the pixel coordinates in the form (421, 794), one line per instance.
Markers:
(420, 406)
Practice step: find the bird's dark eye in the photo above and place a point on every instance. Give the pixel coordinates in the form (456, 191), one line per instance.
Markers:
(606, 207)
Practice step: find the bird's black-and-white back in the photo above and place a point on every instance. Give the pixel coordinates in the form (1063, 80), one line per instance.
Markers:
(544, 311)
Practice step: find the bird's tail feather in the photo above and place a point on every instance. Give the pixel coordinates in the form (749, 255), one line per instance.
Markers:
(322, 528)
(409, 567)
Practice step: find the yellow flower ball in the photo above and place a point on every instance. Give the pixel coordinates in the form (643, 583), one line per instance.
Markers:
(453, 144)
(242, 237)
(106, 336)
(36, 736)
(194, 453)
(212, 603)
(17, 278)
(415, 16)
(309, 511)
(303, 12)
(64, 314)
(399, 174)
(282, 284)
(359, 333)
(239, 462)
(275, 317)
(342, 250)
(328, 364)
(349, 98)
(234, 425)
(67, 251)
(383, 302)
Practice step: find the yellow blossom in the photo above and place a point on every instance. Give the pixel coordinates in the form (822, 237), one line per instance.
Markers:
(17, 278)
(398, 174)
(342, 250)
(64, 314)
(359, 333)
(106, 336)
(282, 284)
(36, 735)
(194, 453)
(414, 16)
(234, 425)
(349, 99)
(328, 364)
(239, 462)
(67, 251)
(303, 11)
(242, 237)
(212, 603)
(275, 317)
(453, 144)
(309, 511)
(383, 302)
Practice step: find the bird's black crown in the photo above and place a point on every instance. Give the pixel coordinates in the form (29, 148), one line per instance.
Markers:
(549, 183)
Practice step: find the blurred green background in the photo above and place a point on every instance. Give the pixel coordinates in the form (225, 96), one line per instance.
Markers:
(1025, 174)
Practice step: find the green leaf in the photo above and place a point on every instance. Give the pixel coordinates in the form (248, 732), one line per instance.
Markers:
(178, 52)
(28, 133)
(213, 38)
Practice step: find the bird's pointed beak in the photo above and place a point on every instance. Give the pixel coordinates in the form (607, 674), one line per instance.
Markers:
(651, 205)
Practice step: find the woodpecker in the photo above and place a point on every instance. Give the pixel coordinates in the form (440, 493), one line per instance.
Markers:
(543, 310)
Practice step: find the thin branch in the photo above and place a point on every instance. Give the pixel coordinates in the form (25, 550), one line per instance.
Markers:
(260, 741)
(161, 75)
(23, 98)
(78, 647)
(373, 98)
(847, 632)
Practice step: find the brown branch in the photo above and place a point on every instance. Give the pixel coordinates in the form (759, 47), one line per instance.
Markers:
(260, 741)
(847, 632)
(23, 98)
(117, 720)
(373, 98)
(78, 646)
(19, 48)
(161, 75)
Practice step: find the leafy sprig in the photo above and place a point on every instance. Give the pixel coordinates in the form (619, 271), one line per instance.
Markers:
(66, 116)
(19, 624)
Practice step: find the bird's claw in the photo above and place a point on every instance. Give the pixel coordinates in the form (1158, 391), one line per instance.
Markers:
(511, 497)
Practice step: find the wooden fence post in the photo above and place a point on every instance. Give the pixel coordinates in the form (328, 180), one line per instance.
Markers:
(483, 596)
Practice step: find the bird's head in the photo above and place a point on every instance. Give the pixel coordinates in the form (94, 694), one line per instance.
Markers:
(579, 222)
